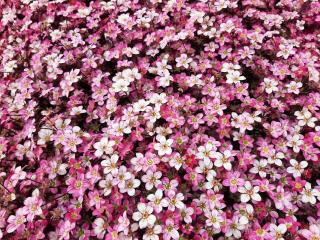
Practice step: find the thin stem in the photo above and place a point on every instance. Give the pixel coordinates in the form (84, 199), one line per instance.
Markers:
(5, 187)
(33, 180)
(55, 199)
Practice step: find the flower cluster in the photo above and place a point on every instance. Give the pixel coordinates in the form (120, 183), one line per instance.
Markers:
(160, 119)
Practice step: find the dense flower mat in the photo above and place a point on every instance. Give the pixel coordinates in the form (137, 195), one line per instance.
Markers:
(160, 119)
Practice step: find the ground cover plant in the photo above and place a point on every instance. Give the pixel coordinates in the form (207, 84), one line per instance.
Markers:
(160, 119)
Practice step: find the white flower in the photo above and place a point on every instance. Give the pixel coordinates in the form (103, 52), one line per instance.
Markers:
(130, 186)
(248, 192)
(10, 66)
(158, 99)
(110, 165)
(314, 74)
(164, 81)
(197, 15)
(130, 52)
(176, 161)
(285, 51)
(56, 34)
(234, 77)
(175, 201)
(104, 146)
(123, 19)
(229, 67)
(152, 233)
(131, 74)
(62, 124)
(183, 61)
(163, 145)
(77, 111)
(276, 158)
(45, 135)
(151, 179)
(223, 159)
(309, 194)
(245, 213)
(300, 24)
(152, 113)
(295, 142)
(186, 214)
(120, 84)
(195, 80)
(140, 106)
(162, 68)
(8, 14)
(294, 87)
(236, 228)
(84, 12)
(243, 121)
(119, 128)
(156, 201)
(18, 174)
(297, 167)
(270, 85)
(163, 131)
(204, 166)
(305, 118)
(106, 184)
(227, 26)
(137, 162)
(211, 178)
(221, 4)
(205, 152)
(256, 116)
(144, 215)
(98, 226)
(25, 149)
(214, 219)
(57, 168)
(121, 177)
(72, 76)
(278, 231)
(170, 230)
(259, 167)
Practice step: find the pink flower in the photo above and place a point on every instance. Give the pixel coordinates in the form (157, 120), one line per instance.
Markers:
(175, 200)
(312, 233)
(233, 181)
(281, 198)
(249, 192)
(77, 186)
(33, 205)
(16, 222)
(65, 228)
(159, 120)
(170, 230)
(196, 121)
